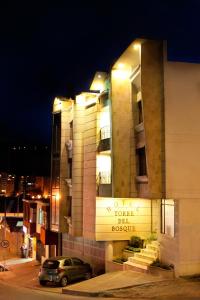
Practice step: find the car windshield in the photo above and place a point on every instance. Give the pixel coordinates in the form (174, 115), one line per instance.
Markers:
(51, 264)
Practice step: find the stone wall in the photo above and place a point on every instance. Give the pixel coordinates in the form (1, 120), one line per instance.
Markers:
(88, 250)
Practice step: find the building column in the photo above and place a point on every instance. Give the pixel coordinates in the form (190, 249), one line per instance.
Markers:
(108, 254)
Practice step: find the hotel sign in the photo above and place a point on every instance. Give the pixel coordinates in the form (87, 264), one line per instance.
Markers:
(120, 218)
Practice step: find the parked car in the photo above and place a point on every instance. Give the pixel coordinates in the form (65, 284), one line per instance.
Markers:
(61, 270)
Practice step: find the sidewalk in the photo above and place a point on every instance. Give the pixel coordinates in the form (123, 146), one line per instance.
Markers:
(15, 261)
(110, 281)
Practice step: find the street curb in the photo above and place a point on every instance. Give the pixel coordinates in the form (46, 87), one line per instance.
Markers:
(80, 293)
(103, 293)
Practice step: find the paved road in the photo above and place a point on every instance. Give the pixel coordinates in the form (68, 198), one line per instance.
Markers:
(178, 289)
(26, 275)
(21, 282)
(9, 292)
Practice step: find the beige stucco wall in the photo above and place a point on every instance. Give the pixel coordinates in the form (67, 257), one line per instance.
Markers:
(89, 172)
(122, 132)
(182, 136)
(77, 171)
(153, 99)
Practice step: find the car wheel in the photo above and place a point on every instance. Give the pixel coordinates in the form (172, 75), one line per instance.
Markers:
(64, 281)
(88, 275)
(42, 282)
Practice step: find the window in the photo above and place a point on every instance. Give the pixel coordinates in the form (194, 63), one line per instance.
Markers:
(167, 215)
(140, 113)
(56, 173)
(40, 216)
(67, 262)
(56, 133)
(69, 206)
(104, 117)
(141, 157)
(32, 215)
(51, 264)
(55, 210)
(71, 130)
(103, 169)
(45, 220)
(70, 167)
(77, 261)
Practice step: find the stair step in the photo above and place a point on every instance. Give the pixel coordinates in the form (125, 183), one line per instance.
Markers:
(152, 247)
(145, 256)
(141, 261)
(156, 243)
(148, 252)
(136, 265)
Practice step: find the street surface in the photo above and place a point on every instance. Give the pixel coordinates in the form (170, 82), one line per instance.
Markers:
(14, 293)
(178, 289)
(21, 282)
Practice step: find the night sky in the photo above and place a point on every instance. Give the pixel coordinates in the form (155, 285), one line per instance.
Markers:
(51, 48)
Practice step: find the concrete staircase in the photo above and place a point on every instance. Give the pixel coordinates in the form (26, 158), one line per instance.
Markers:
(142, 260)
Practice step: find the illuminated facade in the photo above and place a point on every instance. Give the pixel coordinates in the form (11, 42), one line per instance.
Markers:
(122, 164)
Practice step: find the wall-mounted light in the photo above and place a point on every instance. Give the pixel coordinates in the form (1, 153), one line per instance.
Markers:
(137, 46)
(57, 197)
(84, 100)
(120, 66)
(120, 74)
(80, 99)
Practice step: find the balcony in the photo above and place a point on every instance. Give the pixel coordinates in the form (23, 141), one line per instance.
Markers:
(104, 139)
(104, 178)
(104, 186)
(105, 133)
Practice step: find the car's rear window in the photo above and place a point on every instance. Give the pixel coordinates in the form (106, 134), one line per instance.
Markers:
(51, 264)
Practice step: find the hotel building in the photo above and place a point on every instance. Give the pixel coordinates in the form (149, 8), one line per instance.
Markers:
(125, 161)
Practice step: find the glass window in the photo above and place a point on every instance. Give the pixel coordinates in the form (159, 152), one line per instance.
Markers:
(103, 168)
(55, 209)
(45, 220)
(51, 264)
(40, 216)
(67, 262)
(167, 217)
(141, 161)
(140, 113)
(77, 261)
(56, 133)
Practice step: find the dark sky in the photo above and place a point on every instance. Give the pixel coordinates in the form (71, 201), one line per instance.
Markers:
(51, 48)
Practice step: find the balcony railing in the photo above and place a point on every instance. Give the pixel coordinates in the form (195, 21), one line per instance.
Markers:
(104, 178)
(105, 133)
(103, 142)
